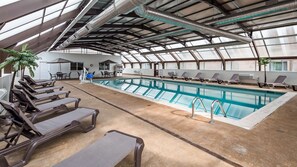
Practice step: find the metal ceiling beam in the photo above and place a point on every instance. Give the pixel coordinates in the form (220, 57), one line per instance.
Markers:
(97, 33)
(179, 21)
(217, 45)
(94, 44)
(37, 29)
(216, 49)
(75, 20)
(23, 7)
(93, 12)
(100, 49)
(114, 10)
(90, 46)
(79, 25)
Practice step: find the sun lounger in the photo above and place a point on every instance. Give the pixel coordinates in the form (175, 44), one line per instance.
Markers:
(41, 132)
(172, 75)
(185, 76)
(198, 77)
(41, 90)
(279, 81)
(43, 96)
(33, 82)
(107, 151)
(37, 110)
(233, 79)
(214, 78)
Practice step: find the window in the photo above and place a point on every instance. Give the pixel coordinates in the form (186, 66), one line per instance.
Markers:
(103, 66)
(76, 66)
(279, 66)
(242, 65)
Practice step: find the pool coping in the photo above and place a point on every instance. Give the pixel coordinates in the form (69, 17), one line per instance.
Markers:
(248, 122)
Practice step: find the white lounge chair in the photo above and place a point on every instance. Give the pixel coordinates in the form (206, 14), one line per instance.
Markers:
(279, 81)
(234, 79)
(198, 77)
(214, 78)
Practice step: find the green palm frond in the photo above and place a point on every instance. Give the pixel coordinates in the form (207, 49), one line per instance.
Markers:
(16, 66)
(264, 61)
(31, 71)
(20, 59)
(4, 64)
(10, 51)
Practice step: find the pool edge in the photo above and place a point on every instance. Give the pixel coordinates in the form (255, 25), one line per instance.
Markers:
(248, 122)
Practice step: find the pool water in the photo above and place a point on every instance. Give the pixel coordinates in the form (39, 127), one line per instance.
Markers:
(237, 103)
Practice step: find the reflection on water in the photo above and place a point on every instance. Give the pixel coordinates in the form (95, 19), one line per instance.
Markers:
(237, 103)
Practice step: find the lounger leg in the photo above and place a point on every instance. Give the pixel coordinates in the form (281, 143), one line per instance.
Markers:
(138, 152)
(40, 140)
(53, 83)
(67, 94)
(77, 102)
(93, 125)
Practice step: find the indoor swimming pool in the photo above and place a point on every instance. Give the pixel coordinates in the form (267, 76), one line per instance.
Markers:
(237, 103)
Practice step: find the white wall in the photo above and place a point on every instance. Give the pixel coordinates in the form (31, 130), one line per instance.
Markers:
(224, 75)
(5, 81)
(147, 72)
(43, 69)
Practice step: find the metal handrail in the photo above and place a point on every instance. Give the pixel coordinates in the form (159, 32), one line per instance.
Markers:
(211, 110)
(193, 104)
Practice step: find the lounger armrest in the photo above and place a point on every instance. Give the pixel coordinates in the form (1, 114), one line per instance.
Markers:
(138, 147)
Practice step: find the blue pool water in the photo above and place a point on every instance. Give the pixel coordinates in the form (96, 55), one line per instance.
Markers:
(237, 103)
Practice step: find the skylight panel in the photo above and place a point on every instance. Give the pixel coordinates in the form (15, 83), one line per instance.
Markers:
(54, 8)
(52, 16)
(22, 20)
(71, 5)
(70, 8)
(133, 52)
(59, 25)
(7, 2)
(157, 48)
(176, 46)
(124, 53)
(26, 40)
(71, 2)
(199, 42)
(20, 29)
(48, 30)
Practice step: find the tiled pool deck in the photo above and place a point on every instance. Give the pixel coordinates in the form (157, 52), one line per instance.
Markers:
(172, 138)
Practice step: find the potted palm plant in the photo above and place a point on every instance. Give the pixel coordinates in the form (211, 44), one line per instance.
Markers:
(264, 61)
(20, 60)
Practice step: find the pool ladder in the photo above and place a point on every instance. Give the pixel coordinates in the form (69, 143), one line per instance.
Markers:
(211, 109)
(193, 105)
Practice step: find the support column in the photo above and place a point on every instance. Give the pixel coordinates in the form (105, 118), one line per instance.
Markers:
(222, 58)
(256, 50)
(257, 53)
